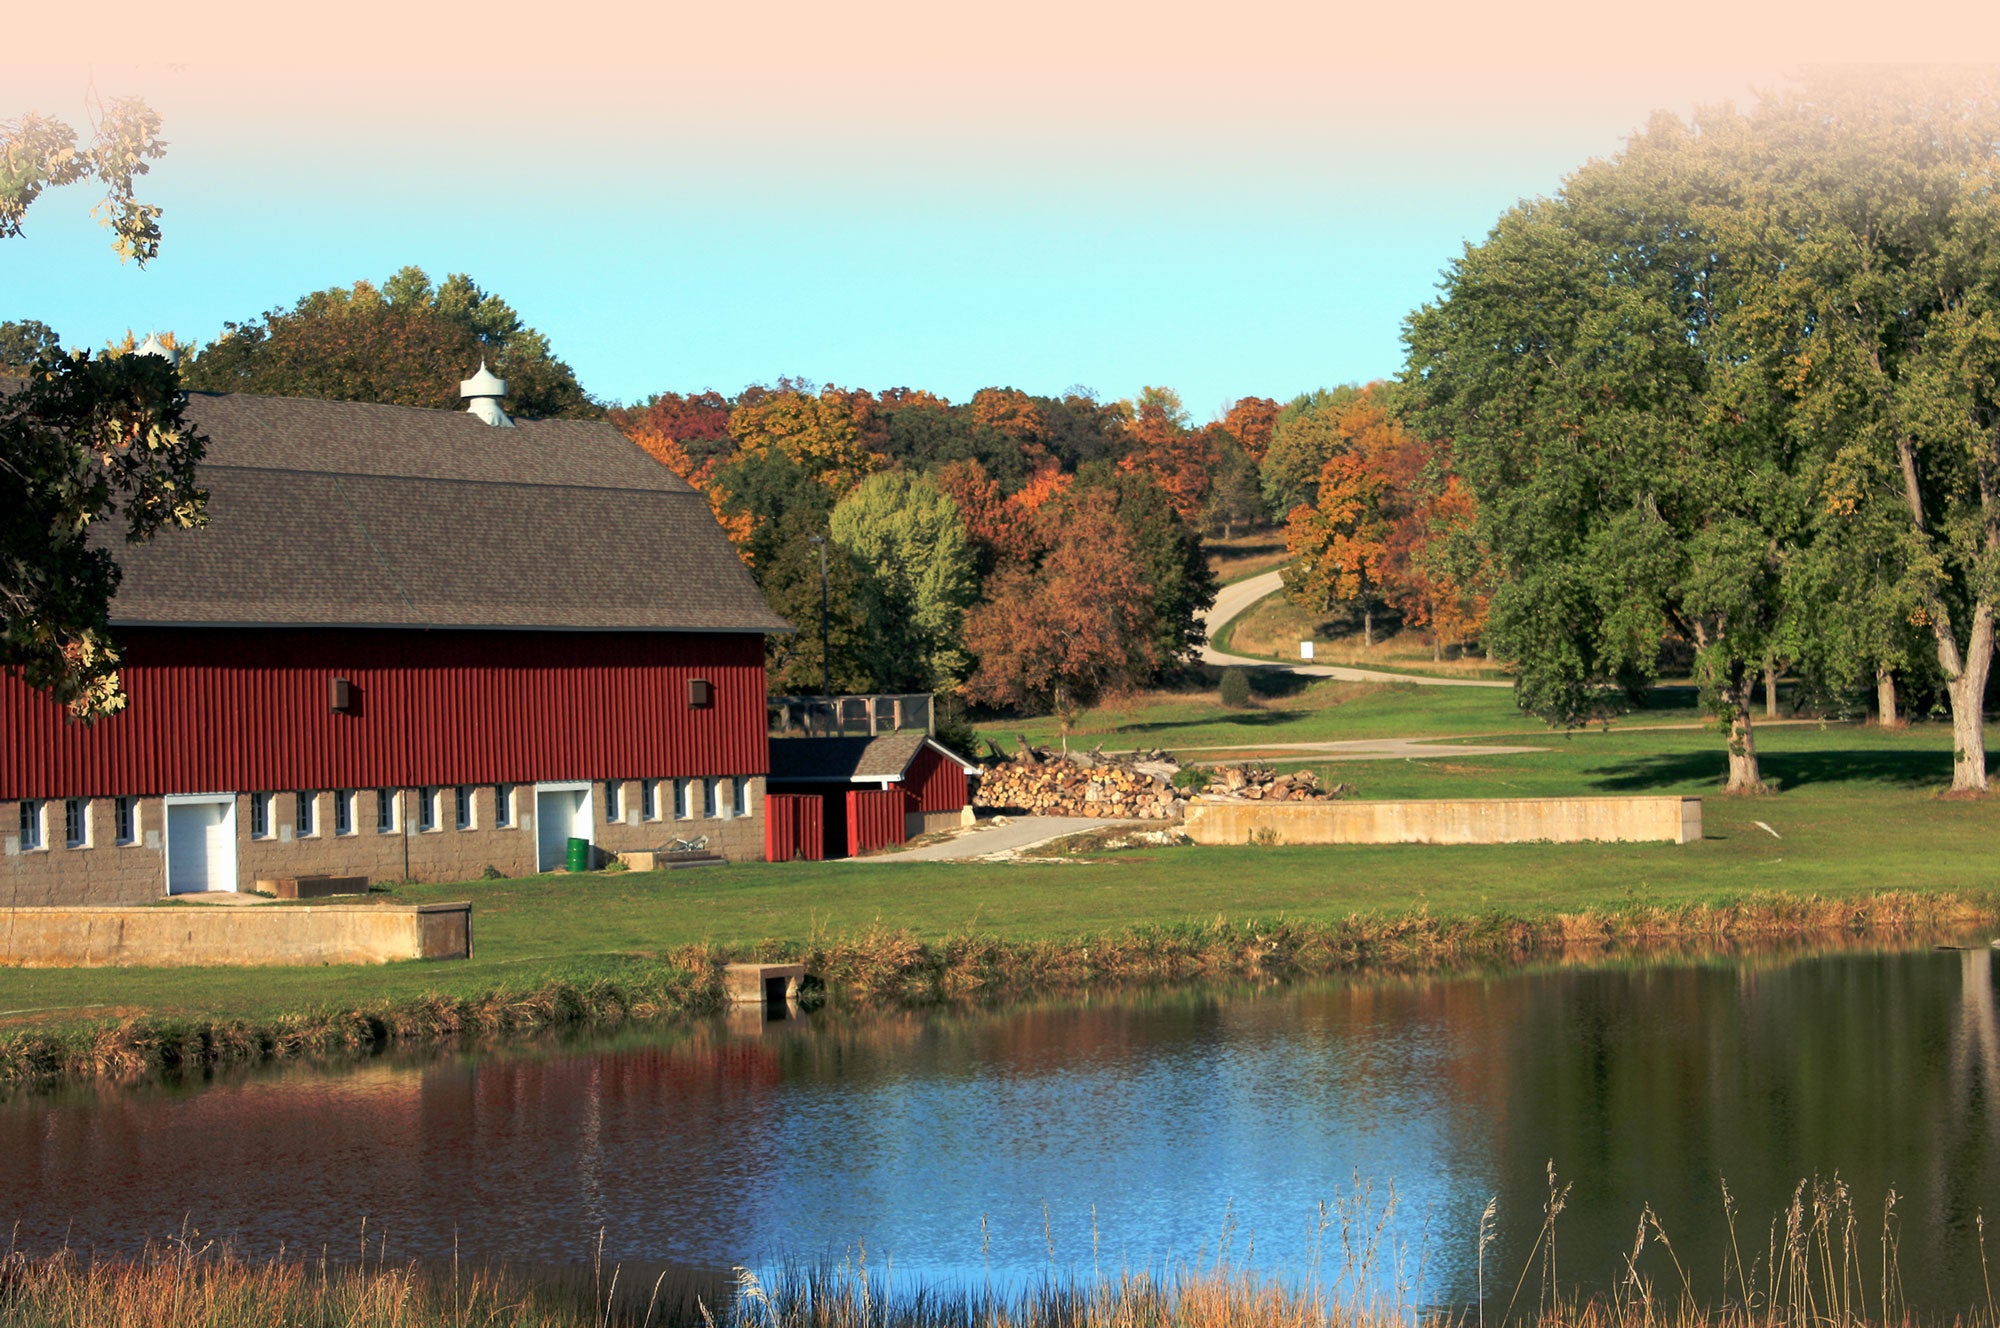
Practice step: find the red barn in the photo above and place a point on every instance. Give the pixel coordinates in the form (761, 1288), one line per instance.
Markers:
(409, 644)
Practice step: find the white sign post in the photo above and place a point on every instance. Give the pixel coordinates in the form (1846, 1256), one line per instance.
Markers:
(1305, 650)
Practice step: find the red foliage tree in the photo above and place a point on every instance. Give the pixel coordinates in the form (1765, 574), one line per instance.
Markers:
(1071, 632)
(1250, 422)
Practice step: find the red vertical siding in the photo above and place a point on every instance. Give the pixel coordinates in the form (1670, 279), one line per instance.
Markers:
(794, 827)
(874, 819)
(934, 782)
(217, 709)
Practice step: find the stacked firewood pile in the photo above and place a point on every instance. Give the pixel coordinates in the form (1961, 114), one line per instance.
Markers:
(1249, 783)
(1138, 785)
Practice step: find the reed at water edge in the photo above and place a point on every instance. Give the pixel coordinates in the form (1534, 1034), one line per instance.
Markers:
(1817, 1265)
(894, 967)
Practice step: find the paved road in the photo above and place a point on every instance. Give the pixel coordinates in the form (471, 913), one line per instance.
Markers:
(1233, 600)
(1020, 832)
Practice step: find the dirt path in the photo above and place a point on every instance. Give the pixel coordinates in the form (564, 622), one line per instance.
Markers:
(990, 839)
(1236, 599)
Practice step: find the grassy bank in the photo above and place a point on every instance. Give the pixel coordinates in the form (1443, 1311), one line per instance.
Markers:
(888, 967)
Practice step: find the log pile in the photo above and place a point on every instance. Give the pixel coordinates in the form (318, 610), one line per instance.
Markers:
(1038, 782)
(1249, 783)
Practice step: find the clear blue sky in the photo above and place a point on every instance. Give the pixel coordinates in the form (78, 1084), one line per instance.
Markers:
(681, 235)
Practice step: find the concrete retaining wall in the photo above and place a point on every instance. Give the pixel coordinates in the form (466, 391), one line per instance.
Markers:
(1448, 821)
(189, 935)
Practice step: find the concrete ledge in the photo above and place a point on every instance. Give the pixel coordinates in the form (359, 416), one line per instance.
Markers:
(762, 984)
(1448, 821)
(84, 937)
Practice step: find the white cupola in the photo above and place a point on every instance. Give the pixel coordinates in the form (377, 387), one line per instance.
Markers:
(484, 391)
(152, 345)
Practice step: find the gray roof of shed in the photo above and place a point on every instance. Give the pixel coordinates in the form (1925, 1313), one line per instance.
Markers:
(339, 513)
(846, 760)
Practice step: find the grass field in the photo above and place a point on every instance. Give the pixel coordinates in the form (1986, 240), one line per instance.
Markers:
(1289, 708)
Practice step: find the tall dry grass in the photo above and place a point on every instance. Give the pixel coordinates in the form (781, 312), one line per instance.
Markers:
(887, 967)
(1819, 1264)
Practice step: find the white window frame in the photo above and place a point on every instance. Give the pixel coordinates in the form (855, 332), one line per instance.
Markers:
(343, 812)
(462, 815)
(34, 824)
(614, 801)
(711, 799)
(260, 815)
(428, 820)
(684, 800)
(305, 814)
(741, 801)
(124, 821)
(649, 799)
(503, 806)
(76, 822)
(385, 802)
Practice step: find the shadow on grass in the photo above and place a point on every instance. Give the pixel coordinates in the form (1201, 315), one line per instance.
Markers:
(1245, 719)
(1791, 770)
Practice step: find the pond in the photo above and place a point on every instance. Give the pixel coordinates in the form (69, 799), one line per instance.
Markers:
(1133, 1131)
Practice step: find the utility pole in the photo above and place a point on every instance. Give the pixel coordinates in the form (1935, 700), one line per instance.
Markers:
(825, 652)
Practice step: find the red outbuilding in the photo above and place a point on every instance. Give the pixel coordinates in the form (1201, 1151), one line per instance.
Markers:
(409, 644)
(873, 792)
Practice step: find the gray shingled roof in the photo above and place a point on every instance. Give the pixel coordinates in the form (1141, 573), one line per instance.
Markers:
(336, 513)
(844, 760)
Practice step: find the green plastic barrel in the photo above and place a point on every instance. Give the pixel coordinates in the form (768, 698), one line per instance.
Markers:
(579, 855)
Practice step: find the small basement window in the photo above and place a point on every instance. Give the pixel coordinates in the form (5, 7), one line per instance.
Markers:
(260, 816)
(305, 814)
(742, 785)
(343, 811)
(462, 800)
(76, 823)
(33, 812)
(503, 805)
(614, 802)
(649, 799)
(427, 810)
(385, 811)
(125, 820)
(711, 790)
(684, 799)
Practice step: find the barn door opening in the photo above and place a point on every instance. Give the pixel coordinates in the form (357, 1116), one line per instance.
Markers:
(201, 843)
(562, 813)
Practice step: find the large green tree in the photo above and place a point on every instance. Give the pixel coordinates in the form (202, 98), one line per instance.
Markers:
(406, 342)
(1873, 203)
(86, 444)
(908, 535)
(1626, 435)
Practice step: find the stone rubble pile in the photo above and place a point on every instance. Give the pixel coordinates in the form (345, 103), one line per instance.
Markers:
(1249, 783)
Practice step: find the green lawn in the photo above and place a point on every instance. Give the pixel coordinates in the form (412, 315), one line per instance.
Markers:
(1290, 708)
(1859, 812)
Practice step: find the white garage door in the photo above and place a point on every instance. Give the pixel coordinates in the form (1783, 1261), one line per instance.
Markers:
(201, 844)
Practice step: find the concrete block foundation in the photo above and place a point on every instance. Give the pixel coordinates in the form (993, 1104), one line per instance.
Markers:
(195, 935)
(1670, 820)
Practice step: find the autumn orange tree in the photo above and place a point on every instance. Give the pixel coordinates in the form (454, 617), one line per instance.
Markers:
(1340, 544)
(1160, 444)
(820, 432)
(1074, 630)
